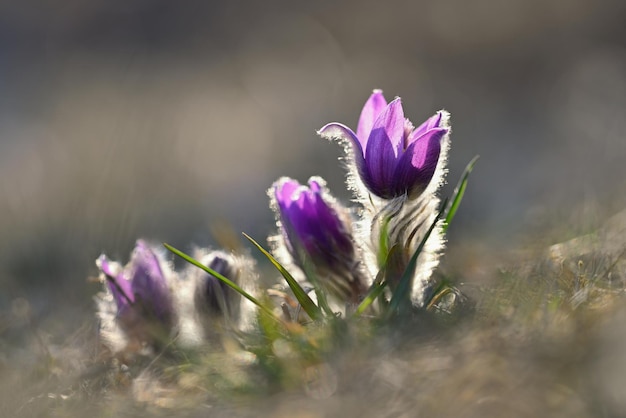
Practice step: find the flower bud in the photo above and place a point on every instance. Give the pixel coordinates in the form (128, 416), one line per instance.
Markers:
(141, 294)
(213, 296)
(316, 231)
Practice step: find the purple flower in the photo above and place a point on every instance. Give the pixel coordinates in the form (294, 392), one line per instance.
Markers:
(139, 289)
(316, 233)
(212, 294)
(392, 157)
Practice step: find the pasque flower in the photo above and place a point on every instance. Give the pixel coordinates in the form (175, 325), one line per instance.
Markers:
(140, 290)
(392, 157)
(212, 295)
(317, 234)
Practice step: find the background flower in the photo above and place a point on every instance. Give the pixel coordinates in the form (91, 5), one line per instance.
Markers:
(141, 295)
(316, 232)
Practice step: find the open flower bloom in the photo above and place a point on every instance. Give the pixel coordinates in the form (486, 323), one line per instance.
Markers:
(317, 234)
(140, 290)
(392, 157)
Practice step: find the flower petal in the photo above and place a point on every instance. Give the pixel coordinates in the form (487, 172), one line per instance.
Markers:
(374, 106)
(382, 150)
(216, 294)
(315, 185)
(339, 131)
(430, 123)
(417, 166)
(148, 282)
(338, 238)
(301, 226)
(118, 285)
(284, 190)
(391, 122)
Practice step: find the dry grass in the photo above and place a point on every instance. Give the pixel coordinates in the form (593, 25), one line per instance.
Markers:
(542, 340)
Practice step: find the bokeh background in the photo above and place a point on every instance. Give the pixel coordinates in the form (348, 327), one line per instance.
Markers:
(162, 119)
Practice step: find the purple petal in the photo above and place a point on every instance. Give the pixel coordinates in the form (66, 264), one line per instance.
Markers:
(426, 148)
(312, 227)
(224, 266)
(380, 163)
(391, 122)
(120, 289)
(148, 282)
(315, 185)
(329, 218)
(417, 166)
(217, 294)
(284, 190)
(119, 286)
(374, 106)
(299, 223)
(319, 230)
(339, 131)
(336, 235)
(104, 264)
(382, 150)
(430, 123)
(303, 199)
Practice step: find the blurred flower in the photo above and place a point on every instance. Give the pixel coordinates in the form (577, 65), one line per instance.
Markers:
(212, 295)
(140, 290)
(207, 306)
(392, 157)
(316, 232)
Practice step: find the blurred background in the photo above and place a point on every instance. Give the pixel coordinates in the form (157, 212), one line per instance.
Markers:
(161, 119)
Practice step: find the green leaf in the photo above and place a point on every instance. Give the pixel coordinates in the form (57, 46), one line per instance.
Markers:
(218, 276)
(401, 293)
(378, 286)
(305, 301)
(319, 291)
(459, 191)
(375, 291)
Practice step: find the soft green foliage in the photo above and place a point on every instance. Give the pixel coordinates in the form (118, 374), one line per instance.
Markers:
(305, 301)
(458, 193)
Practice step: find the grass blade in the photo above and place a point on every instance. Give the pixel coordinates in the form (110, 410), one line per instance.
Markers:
(372, 295)
(459, 191)
(218, 276)
(438, 296)
(401, 292)
(377, 287)
(319, 291)
(305, 301)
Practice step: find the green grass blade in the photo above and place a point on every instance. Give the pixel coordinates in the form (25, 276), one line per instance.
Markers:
(400, 295)
(218, 276)
(319, 291)
(305, 301)
(374, 292)
(459, 191)
(377, 287)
